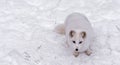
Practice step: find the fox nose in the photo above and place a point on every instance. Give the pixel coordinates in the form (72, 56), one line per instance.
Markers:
(76, 49)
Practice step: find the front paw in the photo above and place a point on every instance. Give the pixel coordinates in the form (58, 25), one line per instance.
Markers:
(76, 54)
(88, 52)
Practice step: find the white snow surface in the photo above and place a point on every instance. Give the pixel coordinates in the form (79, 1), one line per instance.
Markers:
(27, 36)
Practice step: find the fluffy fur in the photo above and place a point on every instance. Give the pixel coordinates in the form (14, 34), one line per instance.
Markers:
(79, 33)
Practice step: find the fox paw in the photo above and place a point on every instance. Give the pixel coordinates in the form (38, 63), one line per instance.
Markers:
(88, 52)
(76, 54)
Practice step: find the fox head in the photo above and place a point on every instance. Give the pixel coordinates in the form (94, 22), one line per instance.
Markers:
(76, 39)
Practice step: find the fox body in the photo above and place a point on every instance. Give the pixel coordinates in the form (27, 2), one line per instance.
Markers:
(78, 32)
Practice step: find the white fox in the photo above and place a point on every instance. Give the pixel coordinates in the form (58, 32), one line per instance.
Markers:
(79, 33)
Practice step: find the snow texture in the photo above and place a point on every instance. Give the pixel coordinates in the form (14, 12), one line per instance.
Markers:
(27, 37)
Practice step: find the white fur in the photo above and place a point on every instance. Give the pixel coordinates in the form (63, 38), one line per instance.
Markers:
(78, 23)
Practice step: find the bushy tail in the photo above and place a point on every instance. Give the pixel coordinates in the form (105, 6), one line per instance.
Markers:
(60, 29)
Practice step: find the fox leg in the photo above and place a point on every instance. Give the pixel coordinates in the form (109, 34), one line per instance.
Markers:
(67, 43)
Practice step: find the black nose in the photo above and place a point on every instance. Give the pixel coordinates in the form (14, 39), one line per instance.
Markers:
(76, 49)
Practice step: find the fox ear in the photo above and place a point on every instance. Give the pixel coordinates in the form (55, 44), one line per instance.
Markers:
(83, 34)
(72, 33)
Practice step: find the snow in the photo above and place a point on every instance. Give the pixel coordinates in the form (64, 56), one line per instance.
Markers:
(27, 36)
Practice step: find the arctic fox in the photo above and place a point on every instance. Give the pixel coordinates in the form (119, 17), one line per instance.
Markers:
(78, 32)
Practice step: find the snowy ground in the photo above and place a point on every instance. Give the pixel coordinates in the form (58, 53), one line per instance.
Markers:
(27, 37)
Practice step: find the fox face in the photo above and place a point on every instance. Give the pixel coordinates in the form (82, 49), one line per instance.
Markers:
(77, 40)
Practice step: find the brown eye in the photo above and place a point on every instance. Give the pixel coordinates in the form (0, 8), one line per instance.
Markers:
(80, 42)
(73, 41)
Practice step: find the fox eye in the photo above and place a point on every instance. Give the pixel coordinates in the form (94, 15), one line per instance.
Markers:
(73, 41)
(80, 42)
